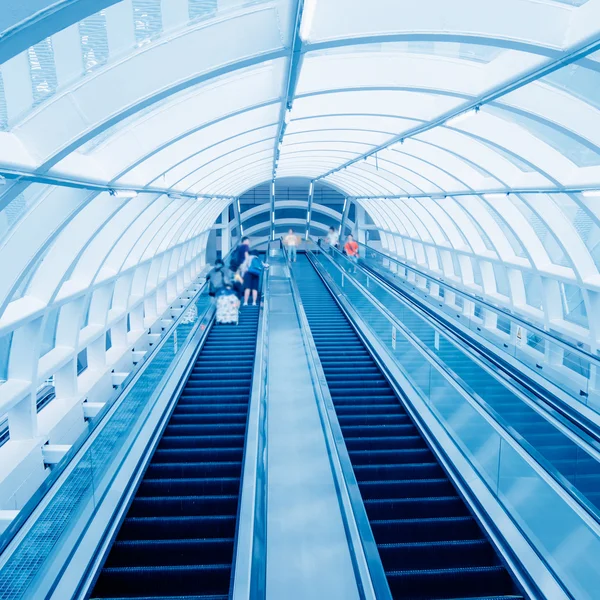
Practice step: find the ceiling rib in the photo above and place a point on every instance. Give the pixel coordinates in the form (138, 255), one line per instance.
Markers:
(568, 57)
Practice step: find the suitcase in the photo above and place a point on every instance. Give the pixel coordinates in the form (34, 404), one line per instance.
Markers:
(227, 308)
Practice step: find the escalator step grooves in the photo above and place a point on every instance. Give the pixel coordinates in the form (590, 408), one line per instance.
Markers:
(429, 543)
(177, 539)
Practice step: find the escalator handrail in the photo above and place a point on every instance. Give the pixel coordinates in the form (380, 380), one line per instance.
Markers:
(248, 579)
(502, 367)
(370, 575)
(552, 337)
(505, 430)
(583, 428)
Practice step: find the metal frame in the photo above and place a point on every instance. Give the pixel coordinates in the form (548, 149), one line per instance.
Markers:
(497, 192)
(40, 502)
(580, 51)
(295, 61)
(89, 184)
(311, 195)
(497, 309)
(509, 369)
(272, 211)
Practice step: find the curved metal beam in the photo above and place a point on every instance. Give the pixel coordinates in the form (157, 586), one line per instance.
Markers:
(580, 51)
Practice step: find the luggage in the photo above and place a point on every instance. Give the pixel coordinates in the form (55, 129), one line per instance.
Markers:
(227, 307)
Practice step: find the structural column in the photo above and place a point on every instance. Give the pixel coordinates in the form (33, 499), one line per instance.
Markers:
(225, 232)
(272, 236)
(311, 193)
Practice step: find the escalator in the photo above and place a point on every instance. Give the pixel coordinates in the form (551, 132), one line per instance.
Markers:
(573, 465)
(178, 536)
(429, 543)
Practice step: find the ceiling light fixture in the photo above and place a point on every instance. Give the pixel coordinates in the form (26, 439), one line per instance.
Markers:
(462, 116)
(308, 14)
(591, 194)
(123, 193)
(496, 195)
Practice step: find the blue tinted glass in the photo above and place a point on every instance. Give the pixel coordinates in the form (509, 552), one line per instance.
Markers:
(579, 81)
(511, 158)
(577, 152)
(201, 9)
(3, 107)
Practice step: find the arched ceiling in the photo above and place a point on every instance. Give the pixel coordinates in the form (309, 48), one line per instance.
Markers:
(194, 102)
(158, 94)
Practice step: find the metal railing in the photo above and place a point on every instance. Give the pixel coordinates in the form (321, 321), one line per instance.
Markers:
(560, 362)
(249, 568)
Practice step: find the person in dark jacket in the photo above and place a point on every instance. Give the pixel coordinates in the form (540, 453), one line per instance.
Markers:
(240, 254)
(219, 278)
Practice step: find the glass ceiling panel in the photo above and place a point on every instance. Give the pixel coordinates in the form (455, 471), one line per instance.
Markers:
(17, 208)
(568, 145)
(480, 53)
(577, 80)
(584, 223)
(147, 20)
(201, 9)
(94, 41)
(42, 71)
(511, 158)
(548, 239)
(495, 210)
(462, 201)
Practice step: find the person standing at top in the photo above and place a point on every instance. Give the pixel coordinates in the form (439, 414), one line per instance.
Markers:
(333, 238)
(291, 241)
(351, 250)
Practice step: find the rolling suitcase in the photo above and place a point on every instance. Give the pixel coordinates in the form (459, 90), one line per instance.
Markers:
(227, 307)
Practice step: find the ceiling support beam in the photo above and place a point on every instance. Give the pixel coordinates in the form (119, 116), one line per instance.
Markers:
(345, 213)
(290, 83)
(91, 185)
(566, 58)
(593, 189)
(238, 217)
(272, 211)
(311, 195)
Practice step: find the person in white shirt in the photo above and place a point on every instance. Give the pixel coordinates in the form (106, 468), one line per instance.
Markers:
(333, 238)
(291, 241)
